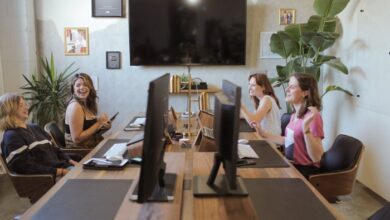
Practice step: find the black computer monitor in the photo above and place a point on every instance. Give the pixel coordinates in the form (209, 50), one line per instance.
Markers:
(226, 129)
(154, 184)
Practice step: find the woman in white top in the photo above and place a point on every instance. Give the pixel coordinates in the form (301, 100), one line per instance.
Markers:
(267, 112)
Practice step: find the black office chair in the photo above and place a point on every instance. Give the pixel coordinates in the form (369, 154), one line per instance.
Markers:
(339, 167)
(32, 186)
(59, 139)
(382, 214)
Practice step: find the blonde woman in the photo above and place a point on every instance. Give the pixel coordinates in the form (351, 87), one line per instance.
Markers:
(27, 148)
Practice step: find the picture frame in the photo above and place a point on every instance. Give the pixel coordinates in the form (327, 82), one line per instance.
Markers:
(107, 8)
(286, 16)
(113, 60)
(76, 41)
(265, 50)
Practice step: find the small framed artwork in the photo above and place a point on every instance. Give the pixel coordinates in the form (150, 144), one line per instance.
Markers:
(265, 48)
(113, 60)
(76, 41)
(107, 8)
(286, 16)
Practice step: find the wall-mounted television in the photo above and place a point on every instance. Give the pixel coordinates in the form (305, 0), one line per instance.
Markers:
(182, 32)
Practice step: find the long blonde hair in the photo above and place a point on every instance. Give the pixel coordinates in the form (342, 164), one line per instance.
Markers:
(9, 105)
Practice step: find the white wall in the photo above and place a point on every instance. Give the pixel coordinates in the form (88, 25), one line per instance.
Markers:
(364, 48)
(125, 90)
(17, 43)
(361, 47)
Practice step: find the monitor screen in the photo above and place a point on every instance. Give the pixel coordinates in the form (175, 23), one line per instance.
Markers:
(177, 32)
(152, 174)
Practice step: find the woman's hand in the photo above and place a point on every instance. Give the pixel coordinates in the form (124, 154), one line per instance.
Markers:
(259, 129)
(104, 121)
(307, 120)
(135, 150)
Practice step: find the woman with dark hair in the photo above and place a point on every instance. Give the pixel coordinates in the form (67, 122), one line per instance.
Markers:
(27, 148)
(81, 121)
(267, 112)
(304, 132)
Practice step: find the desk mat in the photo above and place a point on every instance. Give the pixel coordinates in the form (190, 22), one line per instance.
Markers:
(287, 198)
(244, 126)
(268, 158)
(85, 199)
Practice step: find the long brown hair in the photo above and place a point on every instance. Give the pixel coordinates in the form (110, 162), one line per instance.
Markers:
(308, 83)
(262, 80)
(91, 103)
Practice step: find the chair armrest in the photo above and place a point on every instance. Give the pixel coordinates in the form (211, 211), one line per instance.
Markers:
(32, 186)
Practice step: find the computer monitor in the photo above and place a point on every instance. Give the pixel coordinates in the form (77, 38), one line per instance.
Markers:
(154, 184)
(226, 129)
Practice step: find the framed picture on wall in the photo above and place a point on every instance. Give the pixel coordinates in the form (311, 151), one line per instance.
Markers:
(265, 48)
(76, 41)
(286, 16)
(107, 8)
(113, 60)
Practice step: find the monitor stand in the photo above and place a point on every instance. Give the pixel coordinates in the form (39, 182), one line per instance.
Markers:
(214, 185)
(161, 193)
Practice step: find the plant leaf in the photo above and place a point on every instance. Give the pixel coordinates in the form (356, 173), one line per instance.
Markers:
(336, 88)
(329, 8)
(337, 64)
(283, 44)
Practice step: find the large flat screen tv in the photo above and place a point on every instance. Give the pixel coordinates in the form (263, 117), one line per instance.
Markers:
(182, 32)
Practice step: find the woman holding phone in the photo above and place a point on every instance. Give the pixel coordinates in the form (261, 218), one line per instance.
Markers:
(82, 124)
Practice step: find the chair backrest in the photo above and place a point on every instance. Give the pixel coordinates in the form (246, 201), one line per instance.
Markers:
(58, 136)
(284, 120)
(206, 119)
(344, 154)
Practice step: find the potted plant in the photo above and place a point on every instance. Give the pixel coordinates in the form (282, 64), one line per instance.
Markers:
(303, 45)
(47, 92)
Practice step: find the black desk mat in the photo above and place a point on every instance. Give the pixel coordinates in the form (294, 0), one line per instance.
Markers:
(287, 198)
(245, 127)
(268, 158)
(85, 199)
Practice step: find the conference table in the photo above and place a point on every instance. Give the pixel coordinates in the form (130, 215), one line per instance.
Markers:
(185, 162)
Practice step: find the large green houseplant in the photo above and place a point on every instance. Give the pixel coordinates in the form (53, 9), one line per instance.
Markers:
(303, 45)
(47, 92)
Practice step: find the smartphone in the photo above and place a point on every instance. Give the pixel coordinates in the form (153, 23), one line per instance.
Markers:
(136, 160)
(113, 117)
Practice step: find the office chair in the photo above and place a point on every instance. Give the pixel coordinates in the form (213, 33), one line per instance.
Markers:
(382, 214)
(339, 167)
(59, 139)
(32, 186)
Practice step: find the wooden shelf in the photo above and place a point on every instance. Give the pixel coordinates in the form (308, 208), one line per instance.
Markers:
(211, 89)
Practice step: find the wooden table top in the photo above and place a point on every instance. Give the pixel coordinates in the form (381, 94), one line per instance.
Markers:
(186, 163)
